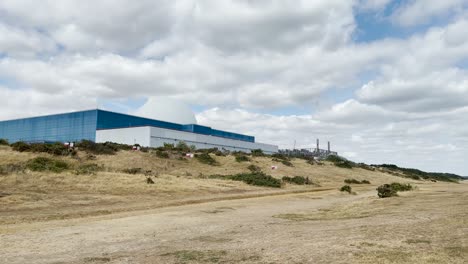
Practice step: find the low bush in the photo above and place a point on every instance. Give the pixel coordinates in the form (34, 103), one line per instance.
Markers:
(20, 146)
(385, 190)
(354, 181)
(257, 153)
(344, 164)
(88, 169)
(389, 190)
(133, 170)
(4, 142)
(340, 162)
(107, 148)
(346, 188)
(205, 158)
(258, 179)
(182, 146)
(57, 149)
(47, 164)
(219, 153)
(299, 180)
(242, 158)
(168, 146)
(162, 154)
(254, 168)
(401, 187)
(287, 163)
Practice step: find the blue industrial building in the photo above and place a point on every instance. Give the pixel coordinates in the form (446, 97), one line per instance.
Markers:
(84, 124)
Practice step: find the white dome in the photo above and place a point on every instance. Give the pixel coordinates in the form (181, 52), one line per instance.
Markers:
(166, 109)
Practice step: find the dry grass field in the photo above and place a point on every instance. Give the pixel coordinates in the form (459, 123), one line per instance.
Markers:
(186, 217)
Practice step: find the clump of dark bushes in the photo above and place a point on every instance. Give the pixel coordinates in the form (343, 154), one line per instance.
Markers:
(258, 179)
(254, 178)
(133, 170)
(389, 190)
(242, 158)
(254, 168)
(287, 163)
(57, 148)
(107, 148)
(299, 180)
(47, 164)
(346, 188)
(354, 181)
(162, 154)
(4, 142)
(205, 158)
(340, 162)
(257, 153)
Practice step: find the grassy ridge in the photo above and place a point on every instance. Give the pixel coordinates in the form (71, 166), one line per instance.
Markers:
(419, 174)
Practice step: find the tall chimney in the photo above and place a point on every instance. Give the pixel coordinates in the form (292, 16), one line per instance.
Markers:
(329, 147)
(318, 145)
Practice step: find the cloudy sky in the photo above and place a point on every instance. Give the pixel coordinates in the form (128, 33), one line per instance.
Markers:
(385, 81)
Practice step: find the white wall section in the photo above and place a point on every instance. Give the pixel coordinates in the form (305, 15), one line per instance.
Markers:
(156, 137)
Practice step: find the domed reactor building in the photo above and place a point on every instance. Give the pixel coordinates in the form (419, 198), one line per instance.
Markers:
(173, 124)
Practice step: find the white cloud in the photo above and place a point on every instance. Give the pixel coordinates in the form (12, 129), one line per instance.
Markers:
(23, 43)
(416, 12)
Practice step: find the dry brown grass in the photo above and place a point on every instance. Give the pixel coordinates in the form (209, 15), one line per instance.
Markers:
(31, 195)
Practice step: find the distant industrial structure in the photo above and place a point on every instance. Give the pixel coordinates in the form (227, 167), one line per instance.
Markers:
(105, 126)
(315, 153)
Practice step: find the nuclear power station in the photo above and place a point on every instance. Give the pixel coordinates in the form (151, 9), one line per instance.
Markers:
(105, 126)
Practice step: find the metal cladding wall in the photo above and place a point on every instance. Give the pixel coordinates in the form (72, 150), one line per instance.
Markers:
(111, 120)
(83, 125)
(156, 137)
(62, 127)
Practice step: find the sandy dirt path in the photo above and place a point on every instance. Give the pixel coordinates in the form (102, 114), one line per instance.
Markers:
(323, 227)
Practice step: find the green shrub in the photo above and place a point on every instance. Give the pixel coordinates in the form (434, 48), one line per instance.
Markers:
(205, 158)
(299, 180)
(47, 164)
(287, 163)
(4, 142)
(340, 162)
(346, 188)
(242, 158)
(168, 146)
(254, 168)
(182, 146)
(401, 187)
(354, 181)
(257, 153)
(389, 190)
(162, 154)
(21, 146)
(219, 153)
(107, 148)
(258, 179)
(133, 170)
(57, 148)
(344, 164)
(88, 169)
(386, 190)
